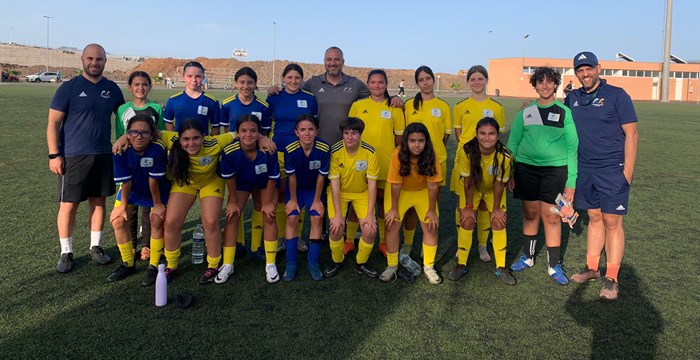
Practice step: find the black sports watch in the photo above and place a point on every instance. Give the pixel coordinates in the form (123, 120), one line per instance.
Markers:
(53, 156)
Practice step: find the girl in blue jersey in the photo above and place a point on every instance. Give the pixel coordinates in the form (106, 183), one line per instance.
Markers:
(141, 171)
(193, 103)
(285, 108)
(246, 169)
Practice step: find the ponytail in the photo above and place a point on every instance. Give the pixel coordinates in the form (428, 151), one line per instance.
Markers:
(418, 99)
(179, 164)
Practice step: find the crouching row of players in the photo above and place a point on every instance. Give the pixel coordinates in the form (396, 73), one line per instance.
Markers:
(351, 165)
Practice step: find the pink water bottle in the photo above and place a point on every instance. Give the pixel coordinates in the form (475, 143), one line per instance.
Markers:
(161, 286)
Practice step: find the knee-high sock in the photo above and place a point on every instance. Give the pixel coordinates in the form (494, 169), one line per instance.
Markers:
(363, 252)
(457, 222)
(529, 245)
(408, 236)
(171, 257)
(429, 253)
(351, 230)
(229, 255)
(553, 255)
(314, 250)
(127, 253)
(270, 251)
(483, 225)
(381, 228)
(290, 249)
(156, 251)
(392, 259)
(281, 219)
(464, 245)
(241, 232)
(499, 247)
(213, 262)
(256, 230)
(337, 250)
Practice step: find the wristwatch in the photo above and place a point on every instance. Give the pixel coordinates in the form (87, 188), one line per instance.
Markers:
(53, 156)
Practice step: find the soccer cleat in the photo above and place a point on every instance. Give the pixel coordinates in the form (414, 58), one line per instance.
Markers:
(431, 275)
(209, 276)
(145, 253)
(389, 274)
(505, 275)
(149, 278)
(348, 247)
(557, 273)
(290, 272)
(225, 271)
(332, 270)
(257, 255)
(98, 254)
(271, 273)
(65, 263)
(121, 272)
(365, 270)
(523, 263)
(484, 254)
(301, 246)
(382, 249)
(610, 289)
(169, 273)
(585, 274)
(458, 272)
(406, 249)
(315, 272)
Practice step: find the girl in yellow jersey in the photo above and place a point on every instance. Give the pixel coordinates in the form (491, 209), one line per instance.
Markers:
(384, 126)
(434, 113)
(414, 175)
(484, 164)
(466, 114)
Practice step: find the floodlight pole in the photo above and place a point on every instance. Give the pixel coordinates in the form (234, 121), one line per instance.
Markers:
(667, 53)
(523, 62)
(488, 47)
(274, 48)
(48, 52)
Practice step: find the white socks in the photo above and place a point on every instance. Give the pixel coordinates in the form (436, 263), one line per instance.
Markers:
(66, 245)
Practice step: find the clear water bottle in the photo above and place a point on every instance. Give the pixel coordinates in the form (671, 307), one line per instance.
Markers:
(409, 264)
(161, 287)
(198, 245)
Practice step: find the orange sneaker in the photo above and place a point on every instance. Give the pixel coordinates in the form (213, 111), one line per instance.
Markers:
(348, 247)
(145, 253)
(382, 249)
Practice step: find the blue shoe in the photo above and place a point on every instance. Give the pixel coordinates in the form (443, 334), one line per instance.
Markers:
(257, 255)
(523, 263)
(557, 273)
(290, 272)
(315, 272)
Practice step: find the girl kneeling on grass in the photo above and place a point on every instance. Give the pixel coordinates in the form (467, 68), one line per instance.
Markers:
(414, 175)
(485, 165)
(246, 169)
(141, 170)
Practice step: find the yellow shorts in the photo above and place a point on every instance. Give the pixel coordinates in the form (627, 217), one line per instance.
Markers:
(381, 184)
(280, 160)
(216, 187)
(410, 199)
(360, 203)
(443, 171)
(478, 197)
(455, 181)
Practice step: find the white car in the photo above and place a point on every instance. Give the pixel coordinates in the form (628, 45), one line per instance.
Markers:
(43, 77)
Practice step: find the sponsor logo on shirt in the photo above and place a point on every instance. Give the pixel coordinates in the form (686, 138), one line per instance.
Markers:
(260, 169)
(361, 165)
(82, 94)
(347, 89)
(146, 162)
(436, 112)
(493, 170)
(205, 160)
(106, 94)
(202, 110)
(386, 114)
(488, 113)
(302, 103)
(321, 90)
(365, 111)
(314, 164)
(598, 102)
(553, 117)
(258, 114)
(575, 103)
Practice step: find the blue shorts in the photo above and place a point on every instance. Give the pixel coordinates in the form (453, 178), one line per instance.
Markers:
(247, 186)
(604, 189)
(305, 198)
(137, 200)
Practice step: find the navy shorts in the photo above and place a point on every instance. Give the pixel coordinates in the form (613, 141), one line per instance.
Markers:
(539, 183)
(84, 177)
(604, 189)
(305, 198)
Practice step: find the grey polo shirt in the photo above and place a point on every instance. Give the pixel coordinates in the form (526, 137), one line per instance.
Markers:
(334, 102)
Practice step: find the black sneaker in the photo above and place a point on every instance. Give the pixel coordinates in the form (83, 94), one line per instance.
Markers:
(209, 276)
(458, 272)
(98, 254)
(150, 277)
(365, 270)
(65, 263)
(332, 270)
(121, 272)
(506, 276)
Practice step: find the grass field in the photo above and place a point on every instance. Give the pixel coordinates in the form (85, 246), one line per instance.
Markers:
(78, 315)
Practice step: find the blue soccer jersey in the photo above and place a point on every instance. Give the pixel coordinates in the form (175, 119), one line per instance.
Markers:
(130, 166)
(249, 174)
(307, 168)
(599, 117)
(232, 109)
(181, 107)
(285, 108)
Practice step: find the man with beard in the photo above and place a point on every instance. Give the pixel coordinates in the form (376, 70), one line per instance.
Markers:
(78, 138)
(607, 130)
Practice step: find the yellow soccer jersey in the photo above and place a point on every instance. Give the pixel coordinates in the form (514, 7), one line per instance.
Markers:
(353, 170)
(382, 123)
(435, 115)
(203, 165)
(468, 112)
(488, 170)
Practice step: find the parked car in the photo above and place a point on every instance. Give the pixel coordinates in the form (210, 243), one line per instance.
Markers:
(6, 76)
(43, 77)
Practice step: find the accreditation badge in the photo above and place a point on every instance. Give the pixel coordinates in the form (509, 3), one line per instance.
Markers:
(260, 169)
(146, 162)
(205, 160)
(302, 104)
(488, 113)
(553, 117)
(314, 164)
(436, 112)
(386, 114)
(202, 110)
(361, 165)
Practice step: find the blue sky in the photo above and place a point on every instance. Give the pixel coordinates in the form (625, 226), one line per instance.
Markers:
(445, 35)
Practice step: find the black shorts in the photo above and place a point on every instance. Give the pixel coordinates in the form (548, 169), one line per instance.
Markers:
(84, 177)
(543, 183)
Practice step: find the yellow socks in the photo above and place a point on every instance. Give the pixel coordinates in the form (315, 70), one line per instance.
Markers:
(464, 245)
(499, 247)
(351, 230)
(171, 257)
(229, 255)
(381, 228)
(429, 253)
(156, 251)
(363, 252)
(281, 218)
(270, 251)
(337, 250)
(127, 253)
(256, 230)
(483, 225)
(408, 236)
(241, 232)
(213, 262)
(392, 259)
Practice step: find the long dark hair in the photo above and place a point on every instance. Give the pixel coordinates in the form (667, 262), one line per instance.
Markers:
(426, 159)
(471, 149)
(418, 99)
(179, 162)
(386, 81)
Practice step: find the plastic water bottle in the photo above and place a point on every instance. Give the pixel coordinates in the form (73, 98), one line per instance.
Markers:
(161, 287)
(198, 245)
(409, 264)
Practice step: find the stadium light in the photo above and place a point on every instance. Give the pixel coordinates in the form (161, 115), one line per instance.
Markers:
(48, 52)
(274, 48)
